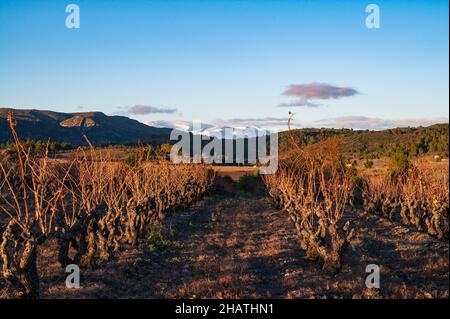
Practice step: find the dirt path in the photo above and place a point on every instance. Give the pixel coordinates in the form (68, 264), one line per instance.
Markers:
(244, 248)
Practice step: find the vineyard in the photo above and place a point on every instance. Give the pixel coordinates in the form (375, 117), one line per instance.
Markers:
(91, 206)
(92, 209)
(322, 193)
(420, 198)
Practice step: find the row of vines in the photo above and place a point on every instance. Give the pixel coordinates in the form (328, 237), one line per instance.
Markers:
(419, 197)
(89, 205)
(320, 191)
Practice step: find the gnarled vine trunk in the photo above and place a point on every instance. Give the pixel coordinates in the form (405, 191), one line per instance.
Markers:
(18, 251)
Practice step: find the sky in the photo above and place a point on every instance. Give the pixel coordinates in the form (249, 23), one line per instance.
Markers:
(230, 62)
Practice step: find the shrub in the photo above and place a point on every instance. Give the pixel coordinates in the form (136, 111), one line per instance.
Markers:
(357, 186)
(398, 165)
(138, 155)
(224, 185)
(251, 184)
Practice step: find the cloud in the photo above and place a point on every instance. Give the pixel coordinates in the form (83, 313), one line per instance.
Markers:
(304, 93)
(148, 109)
(374, 123)
(319, 91)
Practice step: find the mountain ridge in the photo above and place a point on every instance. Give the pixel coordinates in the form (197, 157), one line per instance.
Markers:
(101, 129)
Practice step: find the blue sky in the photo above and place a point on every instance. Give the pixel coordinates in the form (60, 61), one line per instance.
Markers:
(228, 61)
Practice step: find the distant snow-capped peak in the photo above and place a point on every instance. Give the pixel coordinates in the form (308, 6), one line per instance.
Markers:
(208, 129)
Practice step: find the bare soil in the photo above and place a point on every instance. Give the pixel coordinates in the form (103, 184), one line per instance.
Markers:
(241, 247)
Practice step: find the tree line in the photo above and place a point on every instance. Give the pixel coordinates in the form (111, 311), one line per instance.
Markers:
(376, 144)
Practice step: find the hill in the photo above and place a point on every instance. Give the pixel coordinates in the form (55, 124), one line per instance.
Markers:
(373, 144)
(113, 130)
(70, 127)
